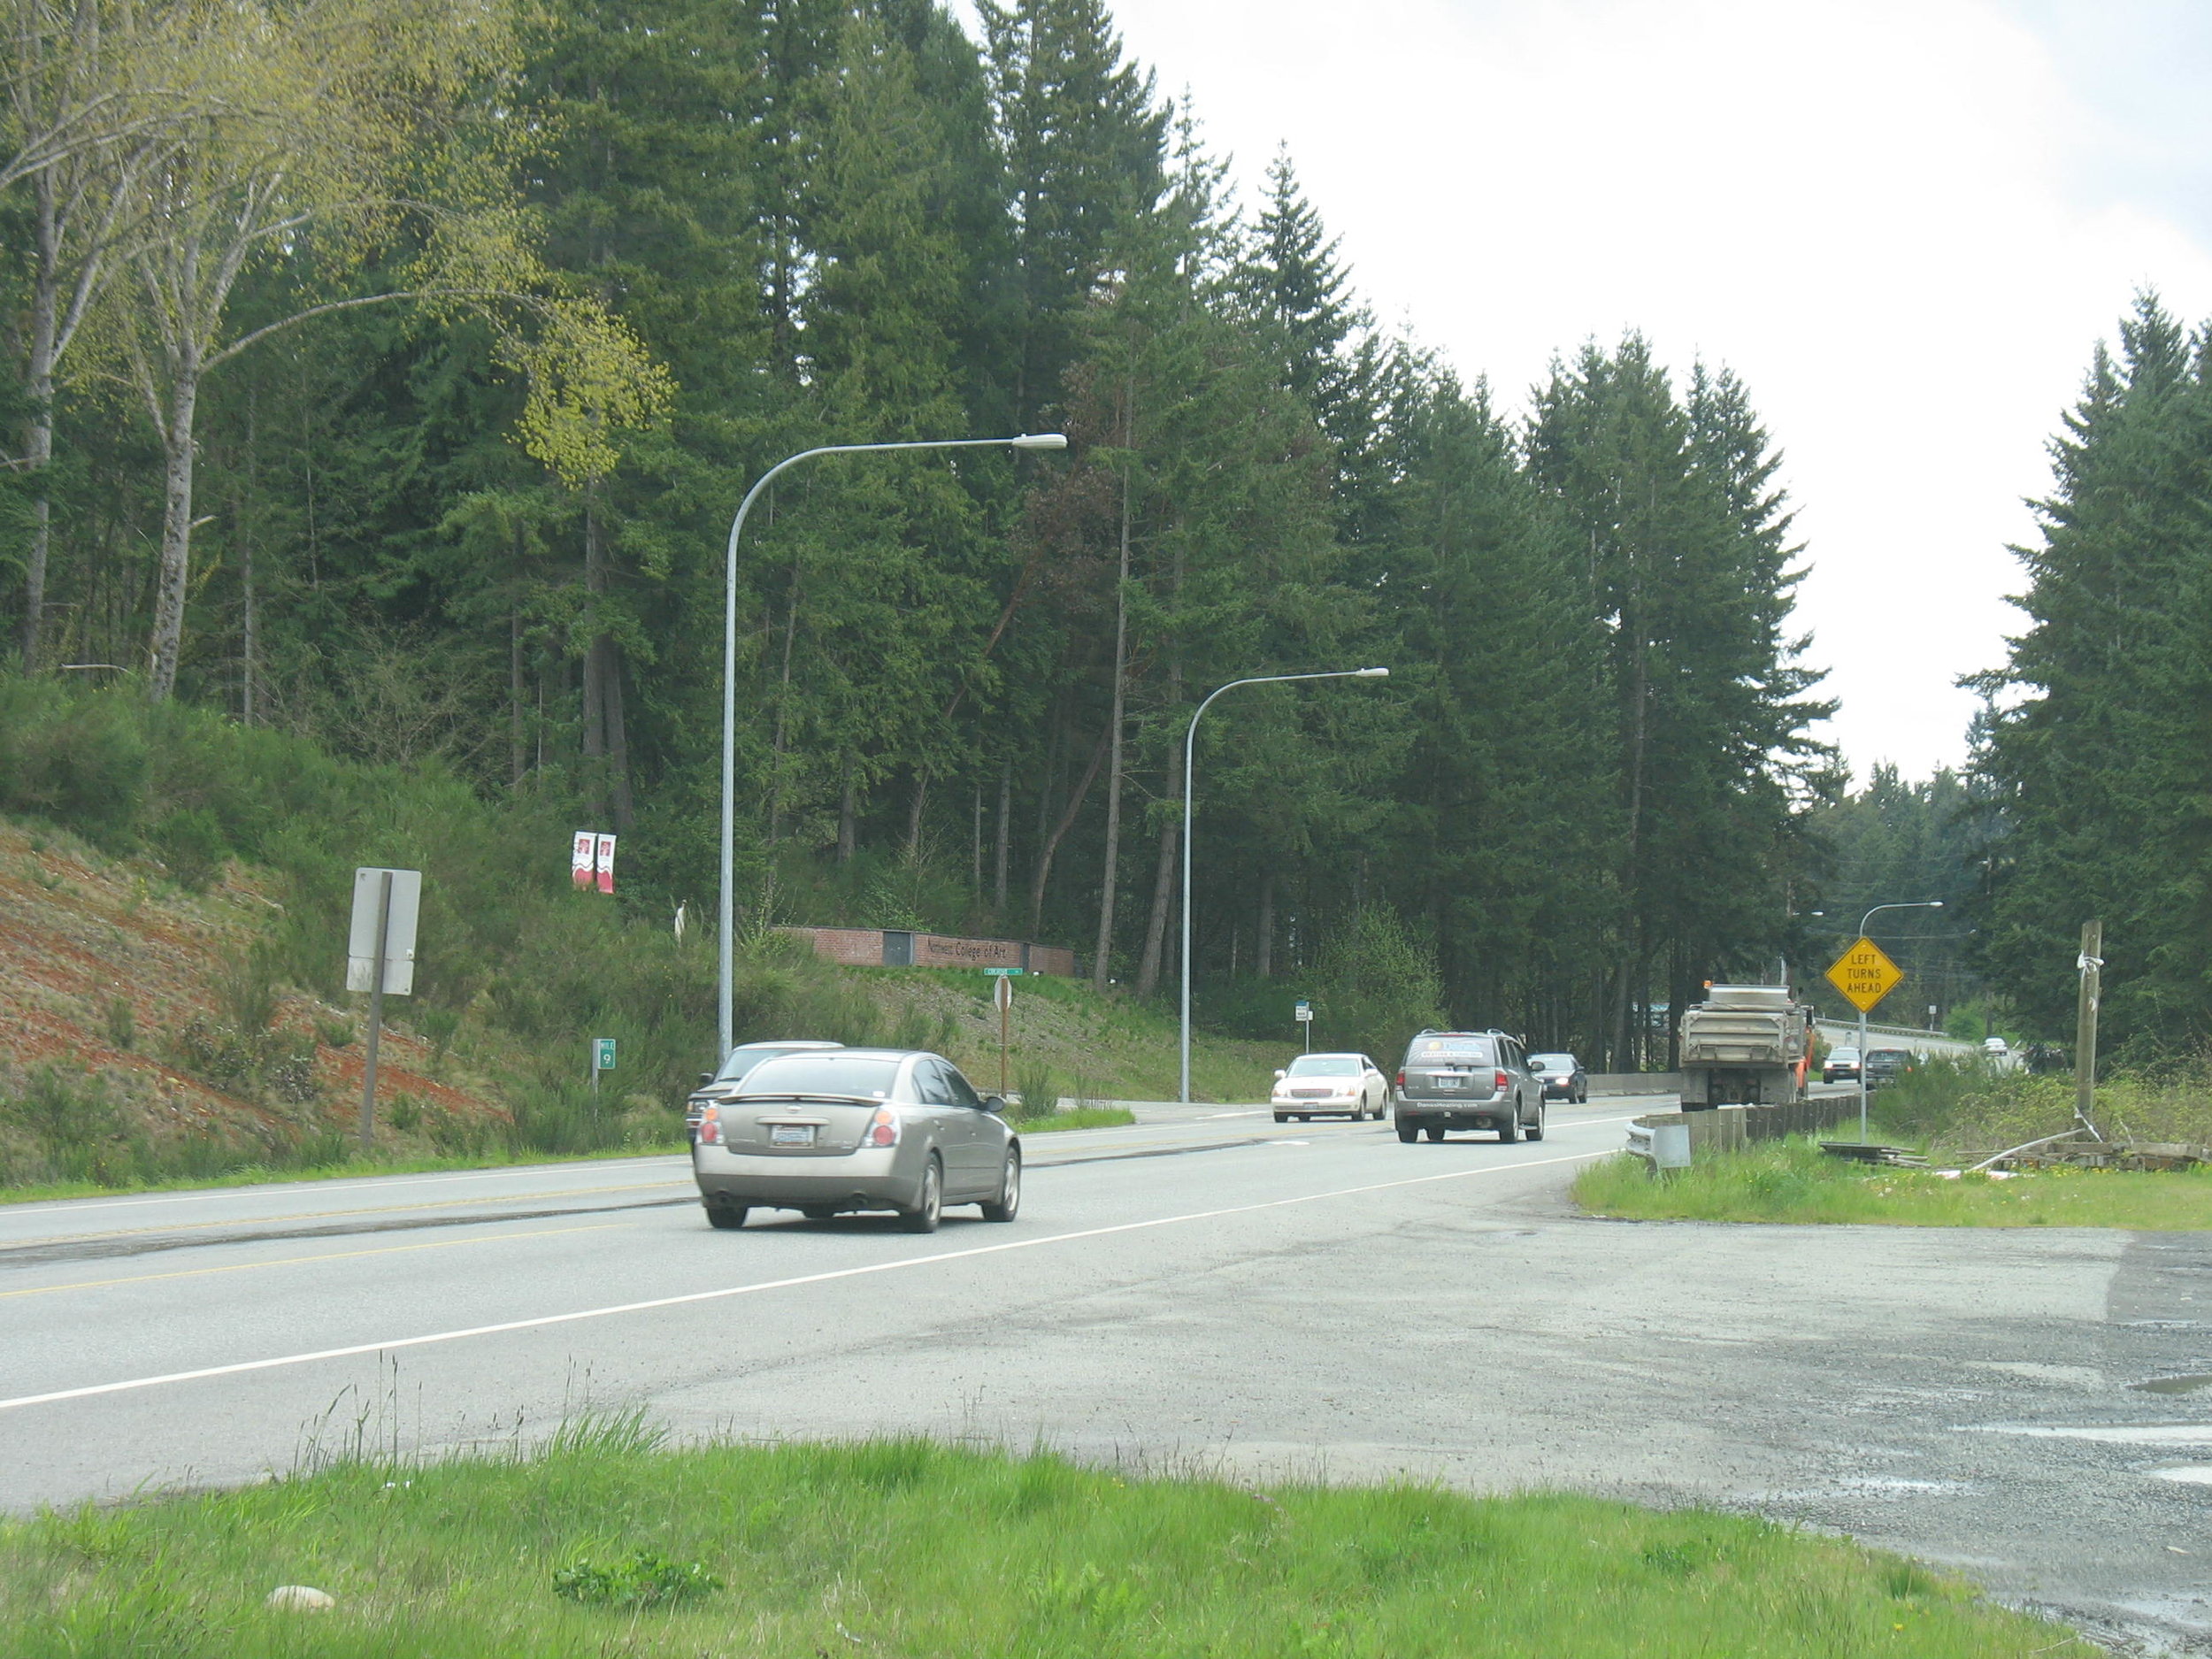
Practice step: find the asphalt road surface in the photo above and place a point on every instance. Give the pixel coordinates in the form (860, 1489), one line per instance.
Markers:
(1205, 1291)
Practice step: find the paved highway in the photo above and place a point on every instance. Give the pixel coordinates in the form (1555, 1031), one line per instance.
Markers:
(1207, 1289)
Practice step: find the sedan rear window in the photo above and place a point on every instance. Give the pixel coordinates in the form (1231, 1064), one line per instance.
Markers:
(1474, 1048)
(866, 1077)
(1326, 1065)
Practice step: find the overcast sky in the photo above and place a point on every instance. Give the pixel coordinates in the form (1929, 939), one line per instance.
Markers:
(1904, 223)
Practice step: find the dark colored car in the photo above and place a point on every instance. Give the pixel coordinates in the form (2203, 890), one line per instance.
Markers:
(1468, 1079)
(716, 1086)
(1886, 1065)
(1562, 1076)
(1841, 1063)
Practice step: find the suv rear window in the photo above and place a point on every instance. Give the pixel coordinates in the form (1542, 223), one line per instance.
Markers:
(1449, 1048)
(867, 1076)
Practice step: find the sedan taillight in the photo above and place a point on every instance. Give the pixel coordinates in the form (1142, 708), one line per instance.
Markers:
(710, 1127)
(883, 1129)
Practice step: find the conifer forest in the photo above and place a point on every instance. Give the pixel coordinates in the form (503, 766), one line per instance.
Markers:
(387, 373)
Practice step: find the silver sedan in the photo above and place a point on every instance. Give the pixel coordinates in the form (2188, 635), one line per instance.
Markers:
(853, 1129)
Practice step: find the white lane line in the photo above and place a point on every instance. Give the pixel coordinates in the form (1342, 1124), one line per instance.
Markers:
(2151, 1434)
(545, 1320)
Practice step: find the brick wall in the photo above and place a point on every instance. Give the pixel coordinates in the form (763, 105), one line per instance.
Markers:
(863, 948)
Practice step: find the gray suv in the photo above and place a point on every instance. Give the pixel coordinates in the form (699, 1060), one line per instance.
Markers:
(1469, 1079)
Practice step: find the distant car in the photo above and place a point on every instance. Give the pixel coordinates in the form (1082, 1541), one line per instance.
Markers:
(825, 1133)
(1316, 1084)
(1886, 1065)
(714, 1086)
(1840, 1063)
(1996, 1047)
(1468, 1079)
(1562, 1077)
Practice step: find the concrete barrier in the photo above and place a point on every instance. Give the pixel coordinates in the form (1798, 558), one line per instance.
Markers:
(1731, 1128)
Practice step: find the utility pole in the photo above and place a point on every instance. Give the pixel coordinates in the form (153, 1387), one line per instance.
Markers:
(2092, 966)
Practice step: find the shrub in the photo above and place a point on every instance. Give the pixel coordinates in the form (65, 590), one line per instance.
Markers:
(1377, 985)
(189, 844)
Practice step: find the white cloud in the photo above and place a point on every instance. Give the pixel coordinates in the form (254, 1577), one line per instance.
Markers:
(1899, 222)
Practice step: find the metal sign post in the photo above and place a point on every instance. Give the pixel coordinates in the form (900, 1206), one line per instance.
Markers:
(380, 958)
(1002, 994)
(1865, 975)
(2090, 965)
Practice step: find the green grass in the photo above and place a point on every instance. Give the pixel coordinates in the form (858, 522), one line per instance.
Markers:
(1076, 1118)
(1795, 1181)
(608, 1545)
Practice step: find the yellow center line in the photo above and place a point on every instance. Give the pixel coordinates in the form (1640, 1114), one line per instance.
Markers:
(294, 1261)
(321, 1215)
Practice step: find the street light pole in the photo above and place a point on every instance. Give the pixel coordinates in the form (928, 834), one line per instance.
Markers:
(727, 915)
(1910, 904)
(1190, 741)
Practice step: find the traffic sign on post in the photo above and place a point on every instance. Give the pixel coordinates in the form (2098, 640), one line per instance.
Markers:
(381, 959)
(1864, 974)
(603, 1054)
(1303, 1013)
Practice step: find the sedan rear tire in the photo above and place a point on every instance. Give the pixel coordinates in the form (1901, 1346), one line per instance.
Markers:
(1009, 1191)
(923, 1218)
(728, 1217)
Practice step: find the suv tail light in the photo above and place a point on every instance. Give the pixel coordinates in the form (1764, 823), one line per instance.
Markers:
(1401, 1077)
(1500, 1081)
(883, 1129)
(710, 1127)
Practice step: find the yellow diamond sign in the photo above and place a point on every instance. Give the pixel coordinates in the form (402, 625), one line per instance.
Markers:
(1864, 974)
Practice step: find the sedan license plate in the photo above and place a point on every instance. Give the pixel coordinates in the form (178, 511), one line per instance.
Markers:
(790, 1135)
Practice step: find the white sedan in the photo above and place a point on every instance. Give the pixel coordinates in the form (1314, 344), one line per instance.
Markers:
(1318, 1084)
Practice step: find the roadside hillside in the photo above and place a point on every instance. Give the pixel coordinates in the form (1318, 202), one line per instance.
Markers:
(148, 1015)
(152, 1029)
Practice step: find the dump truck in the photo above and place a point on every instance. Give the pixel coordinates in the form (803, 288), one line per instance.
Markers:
(1746, 1045)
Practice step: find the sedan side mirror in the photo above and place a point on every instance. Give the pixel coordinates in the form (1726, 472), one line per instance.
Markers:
(993, 1103)
(705, 1077)
(1280, 1074)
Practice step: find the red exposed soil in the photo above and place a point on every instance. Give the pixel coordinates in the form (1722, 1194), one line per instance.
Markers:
(81, 932)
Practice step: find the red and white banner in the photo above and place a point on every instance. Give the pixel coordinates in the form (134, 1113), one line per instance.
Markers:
(583, 857)
(606, 863)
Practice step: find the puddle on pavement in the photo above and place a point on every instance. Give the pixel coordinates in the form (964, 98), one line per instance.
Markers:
(2174, 1384)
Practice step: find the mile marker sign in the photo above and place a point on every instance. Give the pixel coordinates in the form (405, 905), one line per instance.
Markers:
(1864, 974)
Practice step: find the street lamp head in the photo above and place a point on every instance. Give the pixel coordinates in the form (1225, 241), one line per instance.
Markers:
(1370, 673)
(1039, 441)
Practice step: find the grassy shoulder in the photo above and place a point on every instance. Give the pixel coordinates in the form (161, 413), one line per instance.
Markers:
(1795, 1181)
(1077, 1117)
(607, 1543)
